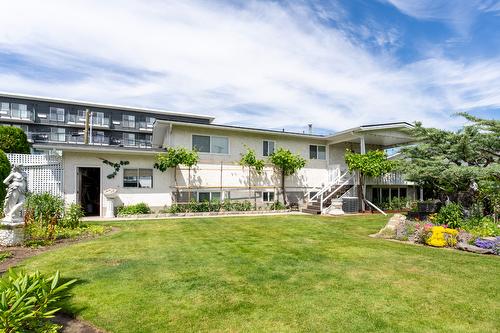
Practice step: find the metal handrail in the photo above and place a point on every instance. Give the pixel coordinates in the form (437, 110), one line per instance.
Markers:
(338, 188)
(328, 187)
(371, 204)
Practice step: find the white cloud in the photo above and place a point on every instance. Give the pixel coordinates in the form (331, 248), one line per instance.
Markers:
(460, 14)
(279, 64)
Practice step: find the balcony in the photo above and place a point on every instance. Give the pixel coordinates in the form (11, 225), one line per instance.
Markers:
(16, 114)
(98, 122)
(97, 140)
(145, 126)
(392, 178)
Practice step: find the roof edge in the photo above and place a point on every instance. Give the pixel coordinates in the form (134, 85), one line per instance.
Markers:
(104, 105)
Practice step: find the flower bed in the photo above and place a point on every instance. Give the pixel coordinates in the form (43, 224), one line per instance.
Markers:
(481, 238)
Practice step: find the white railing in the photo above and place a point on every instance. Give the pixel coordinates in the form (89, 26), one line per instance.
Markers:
(391, 178)
(371, 204)
(323, 199)
(328, 187)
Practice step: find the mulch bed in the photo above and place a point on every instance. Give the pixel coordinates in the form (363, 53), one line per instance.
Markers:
(19, 253)
(73, 325)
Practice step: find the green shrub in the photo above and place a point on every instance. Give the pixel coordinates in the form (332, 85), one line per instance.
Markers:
(4, 255)
(452, 215)
(137, 209)
(44, 208)
(43, 213)
(239, 206)
(210, 206)
(4, 172)
(27, 300)
(277, 205)
(13, 140)
(483, 227)
(72, 216)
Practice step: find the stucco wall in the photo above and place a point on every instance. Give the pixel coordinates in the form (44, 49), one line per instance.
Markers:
(156, 197)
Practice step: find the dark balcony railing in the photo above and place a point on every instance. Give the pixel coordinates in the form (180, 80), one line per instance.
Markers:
(46, 137)
(80, 120)
(17, 114)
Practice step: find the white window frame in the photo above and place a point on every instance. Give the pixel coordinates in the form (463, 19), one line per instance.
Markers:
(128, 121)
(210, 194)
(57, 132)
(56, 110)
(274, 147)
(138, 171)
(212, 136)
(268, 192)
(317, 153)
(126, 139)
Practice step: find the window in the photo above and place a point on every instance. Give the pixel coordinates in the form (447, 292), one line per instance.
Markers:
(98, 119)
(267, 148)
(211, 144)
(268, 196)
(99, 137)
(56, 114)
(219, 145)
(150, 121)
(208, 196)
(57, 134)
(4, 107)
(19, 111)
(142, 178)
(317, 152)
(128, 139)
(402, 192)
(128, 121)
(201, 143)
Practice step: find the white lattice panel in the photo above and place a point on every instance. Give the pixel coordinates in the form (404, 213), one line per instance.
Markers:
(45, 172)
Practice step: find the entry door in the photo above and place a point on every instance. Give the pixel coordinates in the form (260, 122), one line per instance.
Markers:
(89, 190)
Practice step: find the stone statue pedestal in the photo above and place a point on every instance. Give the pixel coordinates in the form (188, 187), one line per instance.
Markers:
(12, 232)
(110, 194)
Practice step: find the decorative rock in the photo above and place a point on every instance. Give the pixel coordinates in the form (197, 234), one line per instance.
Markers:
(11, 234)
(474, 249)
(389, 231)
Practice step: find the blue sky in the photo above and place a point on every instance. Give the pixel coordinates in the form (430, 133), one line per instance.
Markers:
(271, 64)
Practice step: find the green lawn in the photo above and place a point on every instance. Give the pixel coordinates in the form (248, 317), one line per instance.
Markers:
(274, 274)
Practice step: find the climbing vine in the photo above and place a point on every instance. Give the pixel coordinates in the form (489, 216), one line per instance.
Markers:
(115, 166)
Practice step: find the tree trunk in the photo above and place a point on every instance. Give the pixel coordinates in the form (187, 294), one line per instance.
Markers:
(176, 197)
(361, 197)
(283, 188)
(189, 184)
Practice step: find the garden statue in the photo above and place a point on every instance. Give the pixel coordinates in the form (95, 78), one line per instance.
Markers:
(14, 200)
(11, 228)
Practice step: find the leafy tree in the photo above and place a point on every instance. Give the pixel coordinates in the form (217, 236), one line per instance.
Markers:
(287, 164)
(372, 164)
(461, 165)
(250, 160)
(174, 157)
(13, 140)
(4, 172)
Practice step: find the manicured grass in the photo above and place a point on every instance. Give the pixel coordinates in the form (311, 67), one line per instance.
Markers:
(274, 274)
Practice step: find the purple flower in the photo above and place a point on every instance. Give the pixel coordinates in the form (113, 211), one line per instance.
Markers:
(485, 243)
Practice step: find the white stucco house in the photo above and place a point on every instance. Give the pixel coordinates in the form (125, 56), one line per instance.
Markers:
(134, 136)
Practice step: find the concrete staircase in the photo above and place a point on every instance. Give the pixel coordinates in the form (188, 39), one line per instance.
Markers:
(314, 207)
